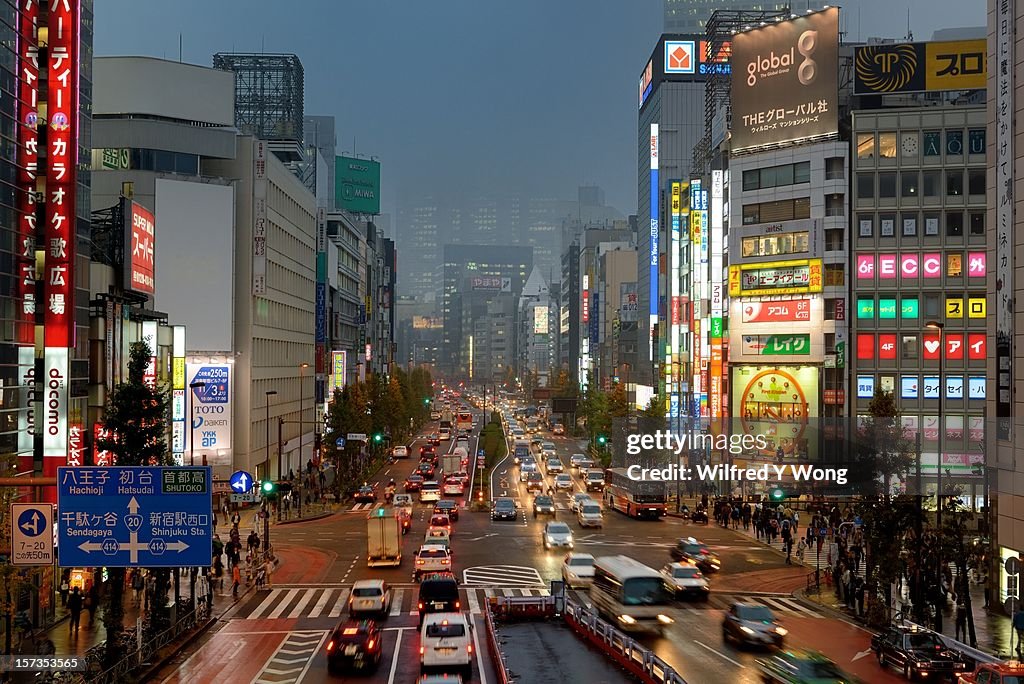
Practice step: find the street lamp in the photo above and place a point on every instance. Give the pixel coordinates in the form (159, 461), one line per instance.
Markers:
(192, 424)
(302, 377)
(269, 394)
(939, 326)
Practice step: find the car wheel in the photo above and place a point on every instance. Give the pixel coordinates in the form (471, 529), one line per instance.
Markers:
(725, 635)
(908, 673)
(881, 659)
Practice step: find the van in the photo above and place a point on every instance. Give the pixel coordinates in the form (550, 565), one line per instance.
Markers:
(589, 515)
(446, 642)
(439, 593)
(595, 480)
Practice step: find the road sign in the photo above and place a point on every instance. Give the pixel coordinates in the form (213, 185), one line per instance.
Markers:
(480, 452)
(241, 482)
(141, 516)
(340, 442)
(356, 437)
(480, 462)
(31, 534)
(252, 496)
(823, 532)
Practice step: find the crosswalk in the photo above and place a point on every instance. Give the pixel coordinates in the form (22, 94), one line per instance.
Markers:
(331, 602)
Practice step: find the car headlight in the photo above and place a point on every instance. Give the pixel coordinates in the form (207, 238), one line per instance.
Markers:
(781, 631)
(747, 630)
(627, 619)
(665, 620)
(921, 664)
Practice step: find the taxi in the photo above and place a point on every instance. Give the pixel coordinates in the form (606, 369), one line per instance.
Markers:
(1008, 672)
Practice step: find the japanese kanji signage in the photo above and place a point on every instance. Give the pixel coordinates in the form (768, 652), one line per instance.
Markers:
(1005, 39)
(259, 218)
(781, 277)
(120, 517)
(784, 85)
(139, 248)
(918, 67)
(777, 345)
(28, 166)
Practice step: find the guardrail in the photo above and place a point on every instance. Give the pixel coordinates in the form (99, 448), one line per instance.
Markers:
(492, 641)
(636, 658)
(978, 656)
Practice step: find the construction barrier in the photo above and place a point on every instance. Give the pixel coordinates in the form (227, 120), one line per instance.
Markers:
(497, 658)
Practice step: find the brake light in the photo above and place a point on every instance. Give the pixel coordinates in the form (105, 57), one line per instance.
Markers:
(422, 650)
(457, 604)
(420, 606)
(330, 645)
(469, 649)
(369, 645)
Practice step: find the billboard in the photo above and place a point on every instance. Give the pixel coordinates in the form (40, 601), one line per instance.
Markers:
(492, 283)
(786, 86)
(336, 375)
(540, 319)
(139, 248)
(357, 185)
(776, 278)
(777, 401)
(681, 57)
(210, 409)
(920, 67)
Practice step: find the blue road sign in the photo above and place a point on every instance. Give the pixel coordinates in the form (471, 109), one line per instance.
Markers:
(125, 517)
(32, 522)
(340, 442)
(481, 452)
(241, 482)
(823, 532)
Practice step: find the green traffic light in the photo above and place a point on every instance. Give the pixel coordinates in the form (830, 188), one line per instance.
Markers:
(602, 440)
(378, 438)
(426, 401)
(778, 495)
(268, 486)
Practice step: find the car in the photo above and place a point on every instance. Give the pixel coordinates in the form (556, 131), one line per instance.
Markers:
(413, 483)
(543, 505)
(427, 450)
(526, 468)
(462, 476)
(554, 465)
(589, 514)
(577, 499)
(369, 597)
(536, 443)
(699, 515)
(400, 451)
(548, 449)
(430, 492)
(425, 469)
(534, 482)
(446, 642)
(442, 536)
(435, 439)
(685, 580)
(440, 520)
(354, 645)
(430, 458)
(435, 415)
(563, 481)
(453, 486)
(578, 570)
(690, 549)
(798, 666)
(752, 624)
(918, 653)
(439, 678)
(558, 429)
(432, 558)
(503, 509)
(594, 480)
(557, 534)
(403, 503)
(365, 494)
(439, 593)
(1009, 672)
(447, 507)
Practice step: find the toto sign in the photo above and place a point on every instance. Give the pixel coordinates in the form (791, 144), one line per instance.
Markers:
(210, 409)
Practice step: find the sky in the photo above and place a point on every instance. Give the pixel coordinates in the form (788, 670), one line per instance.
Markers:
(531, 96)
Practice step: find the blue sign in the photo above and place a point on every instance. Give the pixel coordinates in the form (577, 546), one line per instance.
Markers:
(126, 517)
(481, 452)
(321, 313)
(340, 442)
(823, 532)
(215, 388)
(241, 482)
(32, 522)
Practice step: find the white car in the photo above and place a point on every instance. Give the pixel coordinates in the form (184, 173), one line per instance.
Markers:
(453, 487)
(685, 580)
(557, 534)
(446, 642)
(548, 449)
(369, 597)
(400, 452)
(430, 491)
(589, 514)
(577, 500)
(554, 465)
(432, 558)
(563, 481)
(442, 536)
(578, 570)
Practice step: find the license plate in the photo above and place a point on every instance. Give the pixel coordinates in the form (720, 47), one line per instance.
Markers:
(351, 650)
(445, 650)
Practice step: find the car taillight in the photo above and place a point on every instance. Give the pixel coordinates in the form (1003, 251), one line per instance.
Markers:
(457, 605)
(420, 606)
(422, 650)
(469, 648)
(330, 645)
(419, 562)
(370, 644)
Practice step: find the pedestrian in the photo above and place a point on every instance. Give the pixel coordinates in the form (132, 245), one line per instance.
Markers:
(75, 609)
(149, 598)
(253, 541)
(847, 580)
(92, 601)
(961, 620)
(236, 579)
(858, 595)
(235, 520)
(64, 589)
(796, 521)
(1018, 627)
(218, 573)
(787, 542)
(138, 584)
(801, 549)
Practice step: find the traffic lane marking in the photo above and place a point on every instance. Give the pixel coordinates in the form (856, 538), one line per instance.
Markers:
(840, 641)
(244, 654)
(720, 654)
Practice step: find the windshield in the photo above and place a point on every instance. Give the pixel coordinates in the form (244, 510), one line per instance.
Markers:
(558, 528)
(441, 631)
(505, 505)
(822, 670)
(643, 591)
(433, 553)
(563, 478)
(591, 509)
(366, 591)
(923, 641)
(755, 614)
(581, 562)
(430, 485)
(544, 501)
(686, 573)
(595, 477)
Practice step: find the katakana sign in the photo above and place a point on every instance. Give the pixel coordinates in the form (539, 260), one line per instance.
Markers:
(122, 517)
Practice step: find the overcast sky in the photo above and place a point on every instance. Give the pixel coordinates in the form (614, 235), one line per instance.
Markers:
(530, 95)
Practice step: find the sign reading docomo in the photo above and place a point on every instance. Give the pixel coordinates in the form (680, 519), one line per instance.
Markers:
(357, 185)
(784, 83)
(210, 407)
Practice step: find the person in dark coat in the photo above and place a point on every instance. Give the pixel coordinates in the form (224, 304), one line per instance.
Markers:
(75, 608)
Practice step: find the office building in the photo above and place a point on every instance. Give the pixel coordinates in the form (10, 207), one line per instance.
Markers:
(691, 16)
(536, 332)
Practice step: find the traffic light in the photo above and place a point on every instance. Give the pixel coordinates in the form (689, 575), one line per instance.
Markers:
(426, 401)
(268, 488)
(378, 437)
(601, 440)
(777, 494)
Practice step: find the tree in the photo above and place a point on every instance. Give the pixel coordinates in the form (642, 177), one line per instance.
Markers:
(884, 449)
(890, 524)
(135, 429)
(12, 579)
(655, 407)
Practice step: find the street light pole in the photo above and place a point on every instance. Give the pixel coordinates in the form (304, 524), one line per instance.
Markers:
(936, 325)
(269, 394)
(302, 377)
(192, 424)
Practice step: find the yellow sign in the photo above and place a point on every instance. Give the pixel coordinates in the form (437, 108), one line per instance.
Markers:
(178, 373)
(695, 228)
(976, 307)
(776, 277)
(920, 67)
(954, 307)
(956, 65)
(675, 197)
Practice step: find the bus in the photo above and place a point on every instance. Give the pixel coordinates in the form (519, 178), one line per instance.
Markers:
(464, 421)
(635, 498)
(630, 595)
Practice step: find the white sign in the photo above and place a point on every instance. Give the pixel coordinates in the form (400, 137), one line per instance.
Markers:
(259, 219)
(27, 405)
(31, 534)
(356, 437)
(55, 403)
(1006, 18)
(210, 409)
(246, 497)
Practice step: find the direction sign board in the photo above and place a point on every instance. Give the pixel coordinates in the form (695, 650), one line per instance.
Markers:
(140, 516)
(241, 482)
(480, 462)
(357, 436)
(31, 534)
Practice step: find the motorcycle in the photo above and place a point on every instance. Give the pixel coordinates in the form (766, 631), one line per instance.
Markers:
(389, 494)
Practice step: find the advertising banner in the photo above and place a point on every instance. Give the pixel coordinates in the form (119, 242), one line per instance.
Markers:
(1005, 161)
(28, 167)
(357, 185)
(139, 248)
(492, 283)
(780, 277)
(259, 218)
(778, 401)
(785, 88)
(211, 408)
(920, 67)
(540, 319)
(629, 303)
(339, 364)
(792, 311)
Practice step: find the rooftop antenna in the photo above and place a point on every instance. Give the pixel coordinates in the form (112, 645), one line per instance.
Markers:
(179, 48)
(910, 34)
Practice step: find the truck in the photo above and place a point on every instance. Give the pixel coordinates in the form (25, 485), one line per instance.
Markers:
(452, 463)
(383, 538)
(445, 428)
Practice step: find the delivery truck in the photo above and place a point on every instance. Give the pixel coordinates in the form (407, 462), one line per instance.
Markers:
(384, 538)
(452, 463)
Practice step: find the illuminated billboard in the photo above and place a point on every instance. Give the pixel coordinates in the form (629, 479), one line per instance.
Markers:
(681, 57)
(139, 248)
(778, 401)
(339, 363)
(920, 67)
(540, 319)
(786, 87)
(211, 410)
(357, 185)
(655, 208)
(800, 276)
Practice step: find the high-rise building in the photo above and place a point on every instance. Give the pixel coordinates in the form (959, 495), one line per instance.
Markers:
(537, 327)
(319, 145)
(690, 16)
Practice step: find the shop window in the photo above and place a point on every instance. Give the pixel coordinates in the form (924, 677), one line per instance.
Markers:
(887, 185)
(887, 145)
(865, 146)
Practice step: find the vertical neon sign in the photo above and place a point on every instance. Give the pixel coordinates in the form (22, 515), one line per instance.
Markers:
(654, 235)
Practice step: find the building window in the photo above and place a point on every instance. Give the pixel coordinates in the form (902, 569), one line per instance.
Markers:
(910, 347)
(976, 141)
(865, 146)
(977, 223)
(865, 185)
(834, 168)
(954, 223)
(954, 182)
(932, 146)
(777, 176)
(865, 225)
(887, 185)
(976, 181)
(835, 205)
(888, 225)
(931, 223)
(830, 343)
(834, 240)
(887, 145)
(931, 305)
(908, 184)
(930, 183)
(954, 143)
(834, 275)
(830, 309)
(909, 223)
(781, 210)
(772, 245)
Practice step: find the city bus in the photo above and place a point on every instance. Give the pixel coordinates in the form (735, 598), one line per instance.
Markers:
(630, 595)
(464, 421)
(635, 498)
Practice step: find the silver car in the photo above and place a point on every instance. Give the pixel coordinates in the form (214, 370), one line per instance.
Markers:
(557, 534)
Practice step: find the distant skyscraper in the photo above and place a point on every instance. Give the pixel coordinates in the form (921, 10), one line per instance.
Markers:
(690, 16)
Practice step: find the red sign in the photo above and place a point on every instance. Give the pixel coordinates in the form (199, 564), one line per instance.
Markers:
(777, 312)
(865, 346)
(586, 306)
(676, 308)
(976, 348)
(76, 445)
(139, 264)
(886, 346)
(840, 309)
(954, 346)
(931, 347)
(103, 458)
(28, 167)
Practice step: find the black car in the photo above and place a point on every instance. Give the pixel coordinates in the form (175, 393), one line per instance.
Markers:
(918, 653)
(751, 624)
(447, 507)
(354, 645)
(426, 470)
(439, 593)
(690, 549)
(428, 450)
(365, 494)
(543, 505)
(504, 509)
(414, 483)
